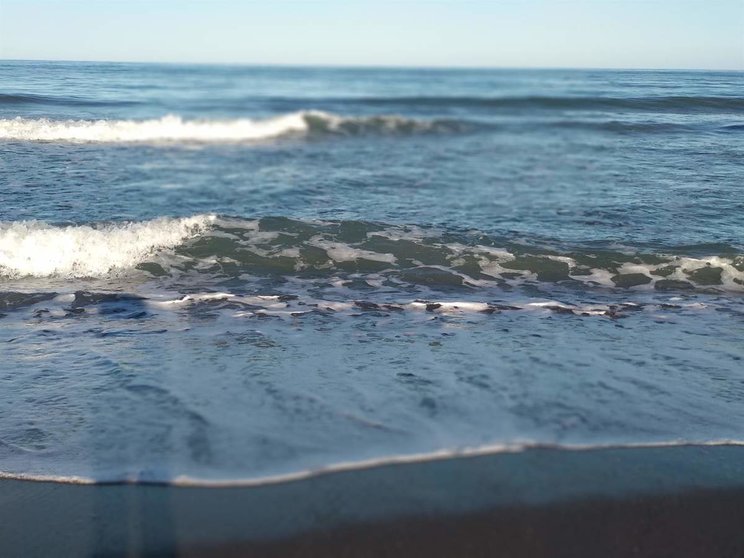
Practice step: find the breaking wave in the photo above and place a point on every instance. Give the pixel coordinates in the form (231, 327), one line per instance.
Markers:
(340, 252)
(37, 249)
(174, 128)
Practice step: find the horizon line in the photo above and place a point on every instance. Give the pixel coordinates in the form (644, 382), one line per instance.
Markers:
(376, 66)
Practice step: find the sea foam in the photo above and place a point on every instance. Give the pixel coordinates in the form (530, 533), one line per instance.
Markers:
(172, 128)
(33, 248)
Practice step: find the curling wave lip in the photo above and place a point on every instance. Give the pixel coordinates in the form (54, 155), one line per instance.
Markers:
(33, 248)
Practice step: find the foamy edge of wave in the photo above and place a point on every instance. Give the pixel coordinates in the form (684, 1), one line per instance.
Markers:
(37, 249)
(174, 128)
(281, 307)
(362, 464)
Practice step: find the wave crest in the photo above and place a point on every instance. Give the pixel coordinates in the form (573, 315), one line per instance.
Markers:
(174, 128)
(32, 248)
(374, 253)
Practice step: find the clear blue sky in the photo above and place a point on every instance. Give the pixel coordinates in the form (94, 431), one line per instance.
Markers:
(524, 33)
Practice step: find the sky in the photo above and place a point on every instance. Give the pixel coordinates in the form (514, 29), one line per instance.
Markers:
(695, 34)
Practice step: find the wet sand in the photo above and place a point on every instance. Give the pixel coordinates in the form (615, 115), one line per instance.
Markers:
(656, 501)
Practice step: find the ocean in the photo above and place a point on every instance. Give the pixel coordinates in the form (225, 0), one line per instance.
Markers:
(231, 274)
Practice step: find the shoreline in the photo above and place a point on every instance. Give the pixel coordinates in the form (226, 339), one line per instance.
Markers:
(260, 480)
(648, 501)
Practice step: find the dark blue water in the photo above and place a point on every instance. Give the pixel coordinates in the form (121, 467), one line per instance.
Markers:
(229, 272)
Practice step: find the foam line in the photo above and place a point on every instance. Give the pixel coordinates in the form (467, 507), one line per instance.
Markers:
(173, 128)
(436, 455)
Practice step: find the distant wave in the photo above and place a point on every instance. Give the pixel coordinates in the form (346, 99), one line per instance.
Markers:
(673, 103)
(31, 99)
(174, 128)
(634, 128)
(650, 103)
(328, 251)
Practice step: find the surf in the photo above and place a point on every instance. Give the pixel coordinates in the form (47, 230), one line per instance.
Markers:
(332, 253)
(174, 128)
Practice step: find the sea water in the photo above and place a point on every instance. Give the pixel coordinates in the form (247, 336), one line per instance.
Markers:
(226, 273)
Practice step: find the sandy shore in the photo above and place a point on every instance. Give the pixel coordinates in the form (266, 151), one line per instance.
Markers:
(660, 501)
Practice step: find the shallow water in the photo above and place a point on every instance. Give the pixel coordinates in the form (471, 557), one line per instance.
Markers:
(231, 272)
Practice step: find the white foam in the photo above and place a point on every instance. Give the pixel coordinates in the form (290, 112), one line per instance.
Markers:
(173, 128)
(340, 252)
(273, 305)
(167, 128)
(681, 270)
(34, 248)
